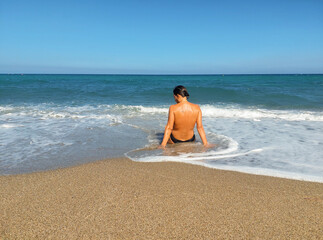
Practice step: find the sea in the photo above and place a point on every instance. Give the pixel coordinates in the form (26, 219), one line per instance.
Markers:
(261, 124)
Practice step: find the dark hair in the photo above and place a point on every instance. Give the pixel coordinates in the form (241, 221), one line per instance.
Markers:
(181, 90)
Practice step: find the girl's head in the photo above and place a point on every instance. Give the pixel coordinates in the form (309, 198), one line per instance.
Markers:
(181, 90)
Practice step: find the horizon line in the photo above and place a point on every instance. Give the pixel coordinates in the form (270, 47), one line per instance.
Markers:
(165, 74)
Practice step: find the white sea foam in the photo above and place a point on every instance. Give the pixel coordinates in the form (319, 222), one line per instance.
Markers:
(245, 113)
(187, 157)
(104, 112)
(10, 125)
(262, 171)
(199, 159)
(152, 109)
(248, 139)
(289, 115)
(46, 111)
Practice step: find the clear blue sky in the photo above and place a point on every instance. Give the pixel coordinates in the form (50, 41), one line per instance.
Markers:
(168, 36)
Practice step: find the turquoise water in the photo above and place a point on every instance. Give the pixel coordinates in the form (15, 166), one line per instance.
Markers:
(265, 91)
(263, 124)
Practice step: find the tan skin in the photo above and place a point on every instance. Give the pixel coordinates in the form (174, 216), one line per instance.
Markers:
(182, 118)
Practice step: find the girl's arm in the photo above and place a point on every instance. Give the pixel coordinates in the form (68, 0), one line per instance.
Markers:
(200, 128)
(169, 127)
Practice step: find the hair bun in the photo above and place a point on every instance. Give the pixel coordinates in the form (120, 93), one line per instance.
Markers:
(181, 90)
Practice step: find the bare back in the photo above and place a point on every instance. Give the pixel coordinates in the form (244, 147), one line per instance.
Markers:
(182, 118)
(185, 117)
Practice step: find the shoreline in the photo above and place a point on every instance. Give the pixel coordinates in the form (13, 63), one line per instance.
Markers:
(279, 175)
(119, 198)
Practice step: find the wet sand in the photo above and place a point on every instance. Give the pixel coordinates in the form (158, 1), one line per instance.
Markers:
(121, 199)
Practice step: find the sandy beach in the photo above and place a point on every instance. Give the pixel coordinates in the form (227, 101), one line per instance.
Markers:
(121, 199)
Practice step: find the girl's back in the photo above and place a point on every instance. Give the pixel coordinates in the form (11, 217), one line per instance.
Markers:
(185, 117)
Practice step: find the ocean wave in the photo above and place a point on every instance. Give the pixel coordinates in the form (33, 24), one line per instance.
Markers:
(289, 115)
(10, 125)
(116, 112)
(47, 111)
(236, 112)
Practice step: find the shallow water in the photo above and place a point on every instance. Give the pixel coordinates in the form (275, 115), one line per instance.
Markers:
(262, 124)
